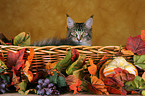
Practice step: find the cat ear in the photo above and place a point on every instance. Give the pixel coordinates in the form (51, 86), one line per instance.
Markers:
(89, 22)
(70, 22)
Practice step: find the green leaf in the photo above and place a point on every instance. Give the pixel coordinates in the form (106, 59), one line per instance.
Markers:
(3, 65)
(139, 60)
(26, 40)
(23, 85)
(1, 70)
(61, 81)
(143, 92)
(22, 39)
(53, 79)
(137, 83)
(76, 65)
(64, 63)
(6, 77)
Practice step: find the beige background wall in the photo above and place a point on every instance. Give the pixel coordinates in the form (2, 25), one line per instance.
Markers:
(114, 20)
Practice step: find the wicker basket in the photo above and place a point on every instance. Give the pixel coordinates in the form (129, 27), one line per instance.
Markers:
(52, 54)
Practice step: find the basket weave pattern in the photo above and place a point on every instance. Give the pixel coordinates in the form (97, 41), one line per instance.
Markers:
(51, 54)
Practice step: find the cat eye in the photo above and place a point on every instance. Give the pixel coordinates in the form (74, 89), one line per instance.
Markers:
(85, 33)
(73, 34)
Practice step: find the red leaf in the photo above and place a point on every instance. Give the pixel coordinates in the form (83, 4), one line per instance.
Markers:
(136, 45)
(75, 54)
(39, 74)
(15, 59)
(1, 57)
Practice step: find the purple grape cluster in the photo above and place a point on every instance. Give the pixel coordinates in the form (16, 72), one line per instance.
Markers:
(3, 86)
(46, 88)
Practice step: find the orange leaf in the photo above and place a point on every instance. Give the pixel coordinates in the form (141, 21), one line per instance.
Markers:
(76, 87)
(143, 35)
(50, 66)
(143, 76)
(28, 73)
(98, 86)
(93, 68)
(127, 52)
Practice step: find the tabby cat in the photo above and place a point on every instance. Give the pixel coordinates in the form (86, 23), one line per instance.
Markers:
(77, 34)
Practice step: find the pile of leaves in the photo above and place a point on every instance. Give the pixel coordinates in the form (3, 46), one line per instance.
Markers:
(75, 72)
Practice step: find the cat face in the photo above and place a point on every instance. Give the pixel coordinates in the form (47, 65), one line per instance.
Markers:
(81, 33)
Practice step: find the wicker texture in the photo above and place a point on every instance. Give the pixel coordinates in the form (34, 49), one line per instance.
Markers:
(52, 54)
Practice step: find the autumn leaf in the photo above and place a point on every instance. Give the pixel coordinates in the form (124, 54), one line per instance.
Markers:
(26, 71)
(15, 80)
(102, 61)
(39, 74)
(15, 59)
(93, 68)
(70, 80)
(2, 57)
(76, 65)
(127, 52)
(75, 54)
(123, 74)
(50, 67)
(136, 45)
(143, 35)
(97, 86)
(76, 87)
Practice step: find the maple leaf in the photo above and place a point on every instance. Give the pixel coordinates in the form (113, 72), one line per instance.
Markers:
(76, 87)
(136, 45)
(97, 86)
(93, 68)
(26, 71)
(15, 59)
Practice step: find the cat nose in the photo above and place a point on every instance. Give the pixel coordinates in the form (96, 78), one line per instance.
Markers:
(78, 39)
